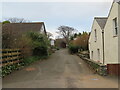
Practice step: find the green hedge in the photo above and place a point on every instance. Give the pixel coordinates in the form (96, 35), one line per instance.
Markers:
(73, 49)
(32, 59)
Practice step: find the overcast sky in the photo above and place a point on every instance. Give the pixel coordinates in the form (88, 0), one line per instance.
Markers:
(75, 14)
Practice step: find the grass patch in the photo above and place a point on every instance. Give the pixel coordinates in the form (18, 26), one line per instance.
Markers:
(32, 59)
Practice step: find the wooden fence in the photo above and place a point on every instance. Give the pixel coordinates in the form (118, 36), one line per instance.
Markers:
(10, 56)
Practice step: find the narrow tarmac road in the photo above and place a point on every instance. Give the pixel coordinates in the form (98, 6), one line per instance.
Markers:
(61, 70)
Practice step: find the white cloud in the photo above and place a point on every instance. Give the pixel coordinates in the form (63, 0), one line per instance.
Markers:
(77, 15)
(53, 31)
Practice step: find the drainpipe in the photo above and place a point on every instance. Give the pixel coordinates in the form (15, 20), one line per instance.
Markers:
(103, 46)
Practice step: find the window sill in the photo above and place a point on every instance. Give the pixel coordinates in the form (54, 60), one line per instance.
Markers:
(115, 36)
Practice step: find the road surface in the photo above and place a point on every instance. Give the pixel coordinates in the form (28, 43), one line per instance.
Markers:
(61, 70)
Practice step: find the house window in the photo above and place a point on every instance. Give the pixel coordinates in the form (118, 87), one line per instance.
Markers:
(95, 35)
(92, 55)
(98, 50)
(115, 29)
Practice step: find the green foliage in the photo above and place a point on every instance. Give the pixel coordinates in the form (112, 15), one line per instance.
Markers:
(38, 39)
(102, 70)
(80, 40)
(5, 22)
(9, 68)
(73, 49)
(75, 35)
(32, 59)
(72, 38)
(79, 34)
(85, 33)
(57, 48)
(6, 70)
(40, 43)
(40, 51)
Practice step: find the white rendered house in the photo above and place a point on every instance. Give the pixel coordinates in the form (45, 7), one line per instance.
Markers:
(96, 40)
(103, 41)
(111, 34)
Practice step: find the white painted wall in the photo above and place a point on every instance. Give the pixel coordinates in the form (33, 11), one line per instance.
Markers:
(111, 42)
(42, 29)
(0, 36)
(94, 46)
(52, 42)
(119, 32)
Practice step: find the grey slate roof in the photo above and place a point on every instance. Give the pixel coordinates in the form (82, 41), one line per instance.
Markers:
(119, 2)
(101, 21)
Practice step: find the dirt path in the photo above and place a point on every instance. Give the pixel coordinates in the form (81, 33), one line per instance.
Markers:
(61, 70)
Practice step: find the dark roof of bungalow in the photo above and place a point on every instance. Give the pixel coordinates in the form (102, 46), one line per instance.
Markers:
(118, 1)
(101, 21)
(20, 28)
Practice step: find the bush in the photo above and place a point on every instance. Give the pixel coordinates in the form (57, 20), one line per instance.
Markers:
(40, 51)
(32, 59)
(57, 48)
(40, 43)
(5, 22)
(73, 49)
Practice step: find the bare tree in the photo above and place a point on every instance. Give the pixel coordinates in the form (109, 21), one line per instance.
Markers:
(49, 35)
(16, 20)
(66, 32)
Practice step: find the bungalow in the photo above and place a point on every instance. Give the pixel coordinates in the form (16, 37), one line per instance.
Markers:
(103, 41)
(11, 32)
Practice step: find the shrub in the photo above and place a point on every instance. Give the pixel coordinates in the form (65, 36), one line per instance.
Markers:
(32, 59)
(40, 43)
(73, 49)
(5, 22)
(57, 48)
(81, 40)
(40, 51)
